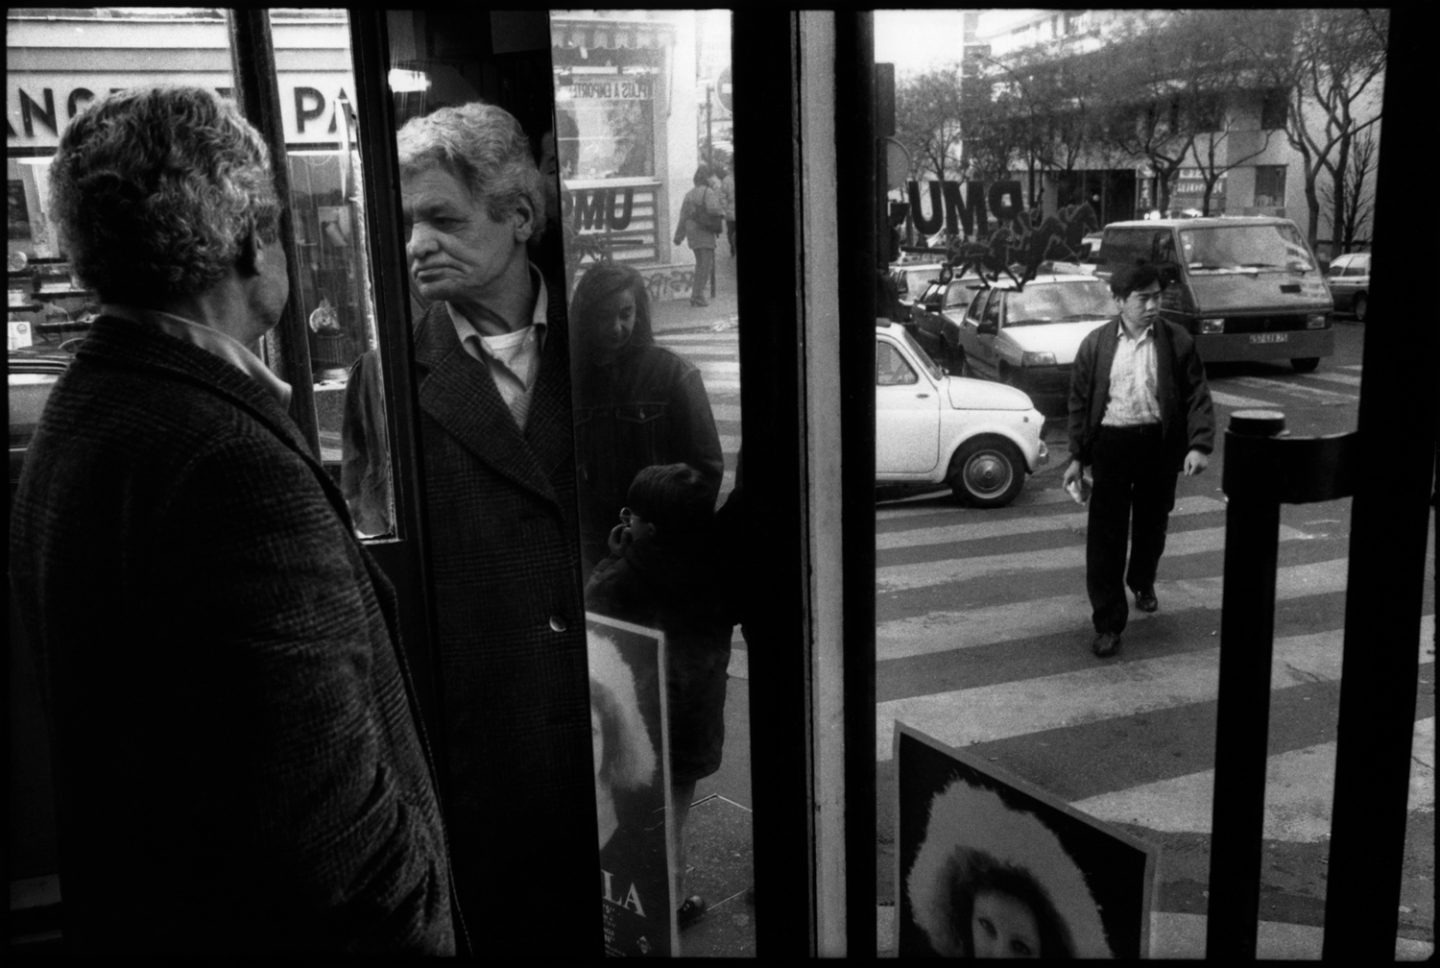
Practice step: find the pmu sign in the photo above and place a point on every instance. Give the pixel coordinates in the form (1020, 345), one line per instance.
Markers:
(39, 106)
(958, 208)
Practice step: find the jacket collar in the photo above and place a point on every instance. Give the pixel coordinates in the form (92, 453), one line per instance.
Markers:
(459, 393)
(119, 341)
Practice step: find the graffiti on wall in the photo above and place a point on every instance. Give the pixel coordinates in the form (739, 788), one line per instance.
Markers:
(668, 282)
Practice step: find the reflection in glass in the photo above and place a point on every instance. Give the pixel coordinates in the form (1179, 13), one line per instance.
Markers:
(335, 294)
(656, 405)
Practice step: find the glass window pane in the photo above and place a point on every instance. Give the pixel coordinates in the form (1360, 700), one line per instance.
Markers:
(645, 151)
(986, 616)
(313, 61)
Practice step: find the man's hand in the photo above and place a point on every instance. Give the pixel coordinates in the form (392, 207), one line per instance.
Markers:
(1072, 474)
(1195, 462)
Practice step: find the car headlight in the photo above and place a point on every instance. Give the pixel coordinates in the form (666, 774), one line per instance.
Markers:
(1212, 325)
(1037, 359)
(1315, 321)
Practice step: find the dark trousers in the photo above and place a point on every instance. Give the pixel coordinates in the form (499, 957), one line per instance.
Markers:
(730, 234)
(1130, 504)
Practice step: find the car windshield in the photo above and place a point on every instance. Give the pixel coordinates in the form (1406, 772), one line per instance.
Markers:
(915, 280)
(1350, 265)
(1218, 248)
(1059, 302)
(930, 365)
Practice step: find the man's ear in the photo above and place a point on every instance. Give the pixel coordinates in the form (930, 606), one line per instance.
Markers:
(251, 255)
(523, 218)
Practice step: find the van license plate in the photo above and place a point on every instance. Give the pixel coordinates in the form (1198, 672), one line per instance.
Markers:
(1269, 337)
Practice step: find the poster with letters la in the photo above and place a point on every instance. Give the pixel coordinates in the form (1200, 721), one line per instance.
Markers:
(628, 724)
(988, 865)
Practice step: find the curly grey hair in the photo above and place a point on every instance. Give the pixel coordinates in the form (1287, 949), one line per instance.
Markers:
(482, 146)
(154, 190)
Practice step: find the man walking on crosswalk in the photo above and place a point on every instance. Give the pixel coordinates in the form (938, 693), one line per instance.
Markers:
(1140, 412)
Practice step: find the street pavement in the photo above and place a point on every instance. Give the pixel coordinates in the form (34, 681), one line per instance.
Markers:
(982, 642)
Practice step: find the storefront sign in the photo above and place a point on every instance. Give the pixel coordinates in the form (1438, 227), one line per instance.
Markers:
(39, 106)
(965, 210)
(600, 208)
(616, 89)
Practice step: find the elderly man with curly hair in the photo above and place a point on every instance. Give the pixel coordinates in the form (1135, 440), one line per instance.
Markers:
(238, 764)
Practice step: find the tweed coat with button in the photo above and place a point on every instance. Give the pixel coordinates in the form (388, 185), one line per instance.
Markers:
(510, 620)
(239, 761)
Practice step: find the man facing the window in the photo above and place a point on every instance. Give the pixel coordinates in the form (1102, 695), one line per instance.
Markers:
(500, 497)
(238, 767)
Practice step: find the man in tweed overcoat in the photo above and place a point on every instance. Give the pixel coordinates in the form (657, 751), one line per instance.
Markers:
(499, 480)
(239, 763)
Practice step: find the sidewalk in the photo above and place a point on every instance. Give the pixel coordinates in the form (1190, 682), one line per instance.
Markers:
(678, 316)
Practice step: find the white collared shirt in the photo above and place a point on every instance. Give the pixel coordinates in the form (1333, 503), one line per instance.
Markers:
(1134, 399)
(513, 358)
(223, 345)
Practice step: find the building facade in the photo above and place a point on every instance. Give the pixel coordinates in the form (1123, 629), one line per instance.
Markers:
(1259, 171)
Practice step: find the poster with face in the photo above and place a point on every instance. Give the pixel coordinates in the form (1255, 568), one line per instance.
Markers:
(632, 787)
(989, 866)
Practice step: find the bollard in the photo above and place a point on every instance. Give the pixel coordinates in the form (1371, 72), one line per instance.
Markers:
(1247, 631)
(1264, 468)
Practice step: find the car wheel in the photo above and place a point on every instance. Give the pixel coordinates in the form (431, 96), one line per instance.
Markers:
(1362, 305)
(987, 472)
(1306, 364)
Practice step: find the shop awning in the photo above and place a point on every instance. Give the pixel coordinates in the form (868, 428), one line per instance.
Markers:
(611, 34)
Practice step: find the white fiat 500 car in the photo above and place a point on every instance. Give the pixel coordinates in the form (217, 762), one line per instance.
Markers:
(978, 437)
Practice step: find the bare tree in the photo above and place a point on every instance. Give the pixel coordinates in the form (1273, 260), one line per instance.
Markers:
(1331, 64)
(1358, 202)
(928, 120)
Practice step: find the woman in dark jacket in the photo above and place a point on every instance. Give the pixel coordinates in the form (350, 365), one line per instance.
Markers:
(636, 404)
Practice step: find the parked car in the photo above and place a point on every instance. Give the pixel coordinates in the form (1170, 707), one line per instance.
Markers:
(979, 438)
(911, 280)
(927, 318)
(1349, 278)
(1027, 337)
(1090, 251)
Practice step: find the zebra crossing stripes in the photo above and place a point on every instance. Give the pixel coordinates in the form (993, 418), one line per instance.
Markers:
(1107, 691)
(1292, 810)
(928, 574)
(973, 529)
(941, 631)
(1344, 379)
(1294, 390)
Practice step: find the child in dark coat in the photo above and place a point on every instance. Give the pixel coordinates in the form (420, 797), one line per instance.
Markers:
(661, 574)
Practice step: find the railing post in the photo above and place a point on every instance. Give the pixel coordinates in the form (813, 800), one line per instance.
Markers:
(1247, 627)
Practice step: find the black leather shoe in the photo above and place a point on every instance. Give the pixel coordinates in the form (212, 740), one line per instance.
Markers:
(1145, 599)
(691, 911)
(1106, 644)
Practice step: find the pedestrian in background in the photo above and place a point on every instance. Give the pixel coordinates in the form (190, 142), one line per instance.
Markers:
(702, 217)
(663, 572)
(727, 201)
(1140, 413)
(636, 403)
(238, 764)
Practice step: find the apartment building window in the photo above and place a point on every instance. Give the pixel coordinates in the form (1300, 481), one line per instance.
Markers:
(1273, 109)
(1269, 186)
